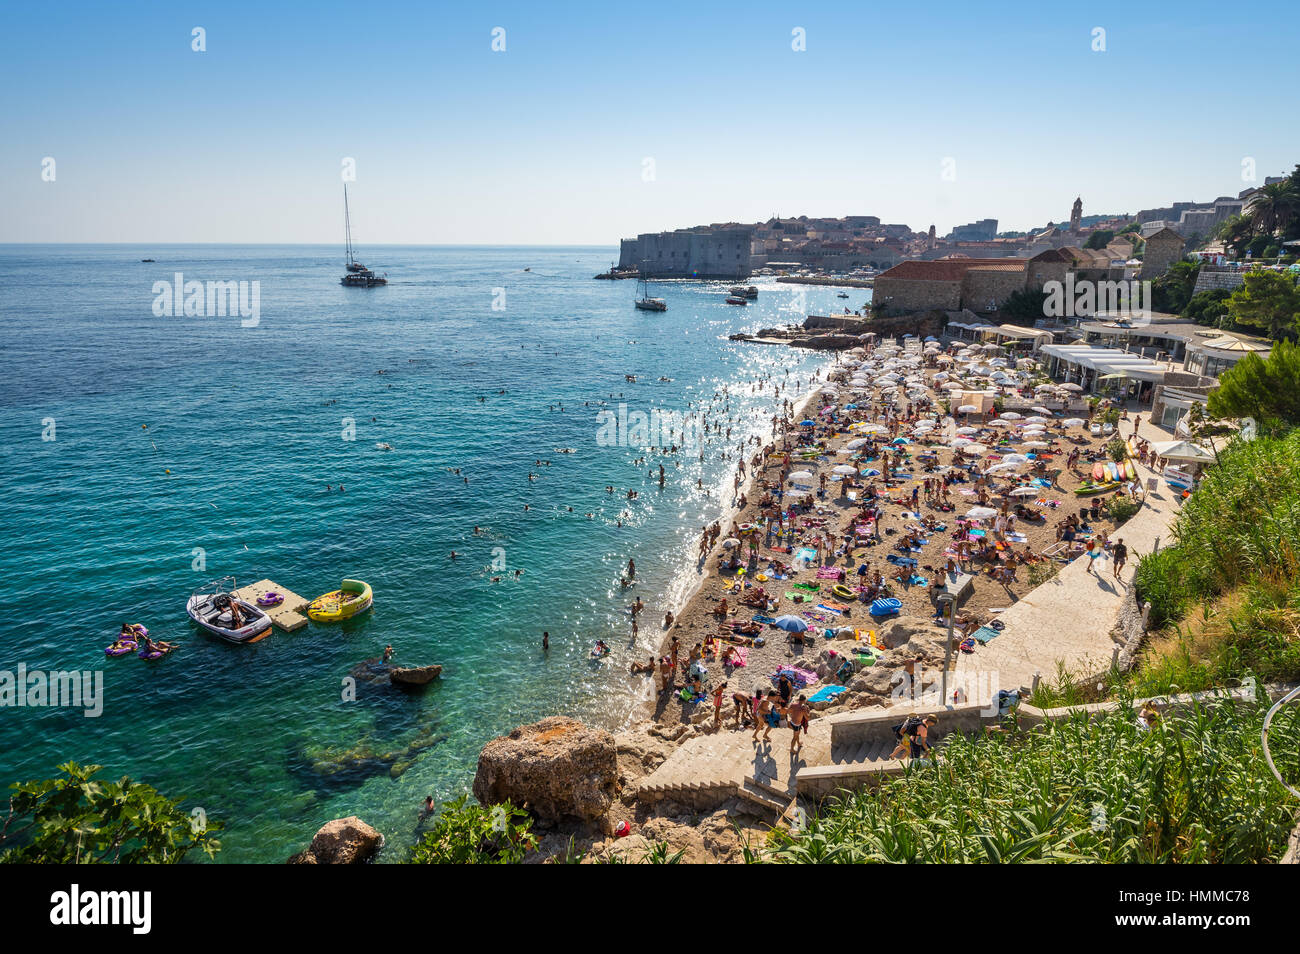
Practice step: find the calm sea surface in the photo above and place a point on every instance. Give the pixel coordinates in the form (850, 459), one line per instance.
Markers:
(193, 441)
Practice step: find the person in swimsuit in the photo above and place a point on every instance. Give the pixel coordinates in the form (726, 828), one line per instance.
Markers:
(772, 717)
(797, 715)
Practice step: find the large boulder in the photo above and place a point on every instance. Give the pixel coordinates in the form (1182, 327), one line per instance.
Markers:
(343, 841)
(557, 768)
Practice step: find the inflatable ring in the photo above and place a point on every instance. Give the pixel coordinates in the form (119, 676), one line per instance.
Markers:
(842, 591)
(127, 647)
(885, 607)
(762, 577)
(270, 599)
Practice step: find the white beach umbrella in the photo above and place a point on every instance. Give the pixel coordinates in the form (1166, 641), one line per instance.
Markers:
(856, 443)
(968, 409)
(1002, 468)
(1035, 420)
(1010, 416)
(1022, 492)
(974, 449)
(999, 423)
(1071, 387)
(1017, 459)
(730, 543)
(968, 430)
(1040, 410)
(801, 475)
(1074, 422)
(843, 469)
(1036, 444)
(1045, 387)
(981, 513)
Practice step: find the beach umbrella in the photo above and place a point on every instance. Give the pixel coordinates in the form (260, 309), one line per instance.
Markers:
(960, 442)
(1016, 459)
(1010, 416)
(1036, 444)
(808, 423)
(974, 449)
(1041, 410)
(1074, 422)
(1071, 387)
(1035, 420)
(1182, 450)
(900, 440)
(999, 424)
(869, 472)
(1033, 429)
(856, 443)
(968, 409)
(1045, 387)
(801, 475)
(977, 513)
(843, 469)
(1022, 492)
(791, 624)
(1002, 468)
(730, 543)
(968, 430)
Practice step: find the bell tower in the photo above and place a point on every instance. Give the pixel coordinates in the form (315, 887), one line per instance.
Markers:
(1076, 216)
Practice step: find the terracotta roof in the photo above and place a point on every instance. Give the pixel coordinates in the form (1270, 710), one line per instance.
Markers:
(950, 269)
(1051, 255)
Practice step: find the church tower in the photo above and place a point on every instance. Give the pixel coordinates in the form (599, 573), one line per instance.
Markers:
(1076, 216)
(933, 242)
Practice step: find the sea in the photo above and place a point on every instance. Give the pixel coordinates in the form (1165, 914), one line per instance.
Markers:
(147, 451)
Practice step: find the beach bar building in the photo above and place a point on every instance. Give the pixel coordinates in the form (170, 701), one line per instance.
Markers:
(1089, 367)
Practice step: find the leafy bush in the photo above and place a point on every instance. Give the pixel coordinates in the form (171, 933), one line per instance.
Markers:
(471, 834)
(1195, 789)
(77, 820)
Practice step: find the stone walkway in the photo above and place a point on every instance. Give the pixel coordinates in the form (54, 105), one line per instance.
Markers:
(1069, 619)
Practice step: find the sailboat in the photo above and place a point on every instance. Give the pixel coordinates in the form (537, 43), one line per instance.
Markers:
(358, 276)
(643, 299)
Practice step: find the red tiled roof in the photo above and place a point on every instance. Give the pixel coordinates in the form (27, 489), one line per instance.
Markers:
(950, 269)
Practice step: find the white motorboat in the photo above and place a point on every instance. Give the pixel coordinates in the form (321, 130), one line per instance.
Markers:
(215, 608)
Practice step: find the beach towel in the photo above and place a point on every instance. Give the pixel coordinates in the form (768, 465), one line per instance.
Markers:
(828, 573)
(763, 619)
(984, 633)
(740, 657)
(806, 554)
(813, 587)
(827, 693)
(830, 609)
(800, 677)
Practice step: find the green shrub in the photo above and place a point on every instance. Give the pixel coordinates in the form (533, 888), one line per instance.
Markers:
(1195, 789)
(471, 834)
(77, 820)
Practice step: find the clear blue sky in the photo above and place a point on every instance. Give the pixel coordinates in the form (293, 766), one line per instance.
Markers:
(544, 143)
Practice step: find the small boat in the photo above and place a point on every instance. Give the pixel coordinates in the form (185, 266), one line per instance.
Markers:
(842, 295)
(351, 598)
(357, 276)
(215, 608)
(146, 259)
(736, 300)
(413, 675)
(1089, 488)
(741, 291)
(645, 302)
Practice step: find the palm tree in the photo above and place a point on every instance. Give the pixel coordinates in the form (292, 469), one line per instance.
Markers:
(1235, 232)
(1272, 207)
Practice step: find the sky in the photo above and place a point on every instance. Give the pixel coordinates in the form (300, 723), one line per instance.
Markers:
(599, 121)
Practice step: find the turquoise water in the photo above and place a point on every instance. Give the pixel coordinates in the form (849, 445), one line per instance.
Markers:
(173, 434)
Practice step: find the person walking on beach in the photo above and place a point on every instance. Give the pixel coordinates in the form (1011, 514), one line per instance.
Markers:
(717, 705)
(1119, 555)
(1093, 552)
(797, 714)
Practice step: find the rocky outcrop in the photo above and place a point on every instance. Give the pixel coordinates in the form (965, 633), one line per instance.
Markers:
(558, 769)
(343, 841)
(712, 839)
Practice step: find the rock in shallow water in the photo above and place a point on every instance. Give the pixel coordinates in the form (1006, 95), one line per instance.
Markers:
(343, 841)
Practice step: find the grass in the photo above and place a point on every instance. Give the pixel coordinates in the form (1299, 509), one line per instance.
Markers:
(1193, 790)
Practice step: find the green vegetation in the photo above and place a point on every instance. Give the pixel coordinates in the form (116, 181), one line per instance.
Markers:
(1194, 789)
(1210, 308)
(1269, 301)
(1225, 596)
(1267, 389)
(1172, 291)
(470, 834)
(77, 820)
(1025, 304)
(1099, 239)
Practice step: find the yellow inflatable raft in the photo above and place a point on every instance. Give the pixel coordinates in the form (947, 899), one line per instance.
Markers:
(351, 598)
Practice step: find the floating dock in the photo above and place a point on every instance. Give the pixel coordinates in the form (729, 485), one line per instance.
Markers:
(289, 615)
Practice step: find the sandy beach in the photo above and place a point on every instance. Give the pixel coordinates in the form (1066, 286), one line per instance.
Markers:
(1001, 547)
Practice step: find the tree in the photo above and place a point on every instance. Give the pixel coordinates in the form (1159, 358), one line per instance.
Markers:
(1025, 304)
(1235, 232)
(1268, 300)
(1274, 206)
(1099, 239)
(1267, 389)
(76, 820)
(1209, 308)
(1173, 290)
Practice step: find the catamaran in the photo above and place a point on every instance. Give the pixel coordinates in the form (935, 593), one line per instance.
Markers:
(358, 276)
(643, 299)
